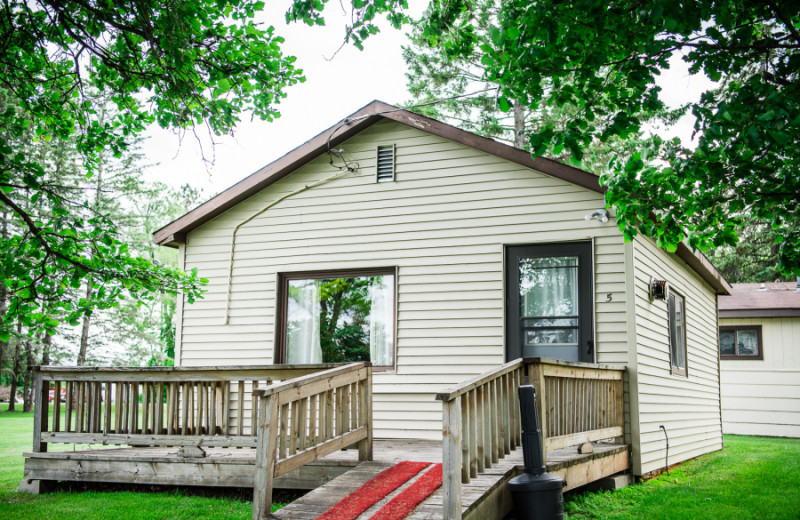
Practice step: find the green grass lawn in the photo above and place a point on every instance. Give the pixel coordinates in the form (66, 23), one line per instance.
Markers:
(16, 437)
(752, 478)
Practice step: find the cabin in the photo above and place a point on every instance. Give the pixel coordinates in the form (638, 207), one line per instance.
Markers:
(387, 286)
(759, 331)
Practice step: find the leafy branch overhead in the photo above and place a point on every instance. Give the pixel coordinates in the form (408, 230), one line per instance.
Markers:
(178, 64)
(603, 58)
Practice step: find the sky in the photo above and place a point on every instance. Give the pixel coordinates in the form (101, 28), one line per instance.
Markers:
(334, 88)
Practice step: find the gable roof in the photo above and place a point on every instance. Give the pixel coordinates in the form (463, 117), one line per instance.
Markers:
(754, 300)
(365, 117)
(175, 232)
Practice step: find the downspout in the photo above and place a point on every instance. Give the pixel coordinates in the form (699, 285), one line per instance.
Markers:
(344, 171)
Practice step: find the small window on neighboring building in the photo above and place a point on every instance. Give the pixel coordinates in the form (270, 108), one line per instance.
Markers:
(740, 342)
(677, 333)
(337, 316)
(385, 165)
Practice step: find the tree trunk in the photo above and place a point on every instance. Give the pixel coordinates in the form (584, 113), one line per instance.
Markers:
(3, 294)
(84, 332)
(15, 369)
(47, 342)
(87, 317)
(27, 392)
(519, 125)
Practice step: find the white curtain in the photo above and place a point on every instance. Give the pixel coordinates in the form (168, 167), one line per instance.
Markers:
(302, 342)
(549, 286)
(748, 343)
(381, 324)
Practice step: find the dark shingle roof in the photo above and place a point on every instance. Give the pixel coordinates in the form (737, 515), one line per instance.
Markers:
(755, 300)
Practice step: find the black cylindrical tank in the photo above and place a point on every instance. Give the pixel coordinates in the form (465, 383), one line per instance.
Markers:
(537, 495)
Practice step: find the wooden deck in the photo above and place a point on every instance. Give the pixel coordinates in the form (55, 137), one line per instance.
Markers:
(291, 432)
(331, 478)
(485, 497)
(221, 467)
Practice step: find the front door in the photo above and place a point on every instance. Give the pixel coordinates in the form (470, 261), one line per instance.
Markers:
(548, 301)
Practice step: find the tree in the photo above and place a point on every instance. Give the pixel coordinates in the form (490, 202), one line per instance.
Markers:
(603, 57)
(456, 89)
(178, 64)
(753, 259)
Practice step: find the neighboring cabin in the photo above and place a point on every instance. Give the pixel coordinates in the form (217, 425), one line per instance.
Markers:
(441, 255)
(760, 359)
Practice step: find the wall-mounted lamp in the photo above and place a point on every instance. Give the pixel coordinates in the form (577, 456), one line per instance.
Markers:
(658, 289)
(600, 215)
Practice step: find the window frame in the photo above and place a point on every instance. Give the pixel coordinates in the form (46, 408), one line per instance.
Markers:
(279, 355)
(676, 369)
(737, 328)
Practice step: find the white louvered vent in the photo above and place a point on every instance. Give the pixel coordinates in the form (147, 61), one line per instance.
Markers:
(385, 167)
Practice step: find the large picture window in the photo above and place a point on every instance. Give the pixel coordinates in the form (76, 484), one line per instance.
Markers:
(337, 316)
(677, 333)
(741, 342)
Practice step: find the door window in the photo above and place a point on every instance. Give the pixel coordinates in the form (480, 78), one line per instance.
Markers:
(549, 304)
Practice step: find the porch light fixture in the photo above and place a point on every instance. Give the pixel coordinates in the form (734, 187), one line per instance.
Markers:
(600, 215)
(658, 289)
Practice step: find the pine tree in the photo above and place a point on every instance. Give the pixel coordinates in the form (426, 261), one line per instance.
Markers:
(456, 88)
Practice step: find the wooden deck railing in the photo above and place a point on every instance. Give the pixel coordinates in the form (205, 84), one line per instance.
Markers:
(481, 424)
(577, 402)
(153, 406)
(307, 418)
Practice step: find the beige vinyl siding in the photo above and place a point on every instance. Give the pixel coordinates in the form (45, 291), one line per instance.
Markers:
(762, 397)
(687, 406)
(444, 223)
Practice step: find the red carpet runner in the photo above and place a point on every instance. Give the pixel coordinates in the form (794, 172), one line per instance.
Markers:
(381, 485)
(400, 506)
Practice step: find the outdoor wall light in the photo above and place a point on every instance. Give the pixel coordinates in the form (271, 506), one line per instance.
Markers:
(658, 289)
(599, 215)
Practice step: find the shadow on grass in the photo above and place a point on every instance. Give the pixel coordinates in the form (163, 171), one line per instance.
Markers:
(279, 496)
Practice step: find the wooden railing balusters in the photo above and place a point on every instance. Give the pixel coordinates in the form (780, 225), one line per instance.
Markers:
(576, 403)
(57, 407)
(41, 390)
(480, 430)
(155, 405)
(336, 393)
(470, 419)
(254, 413)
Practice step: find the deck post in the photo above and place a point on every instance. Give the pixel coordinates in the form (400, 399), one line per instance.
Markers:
(40, 410)
(365, 415)
(451, 439)
(265, 455)
(536, 378)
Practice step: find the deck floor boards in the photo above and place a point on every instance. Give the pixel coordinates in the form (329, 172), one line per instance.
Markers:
(332, 477)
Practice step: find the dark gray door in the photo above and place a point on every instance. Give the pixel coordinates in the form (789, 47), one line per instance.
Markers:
(548, 301)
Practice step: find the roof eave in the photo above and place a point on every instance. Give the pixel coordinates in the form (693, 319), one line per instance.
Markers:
(345, 129)
(759, 313)
(175, 232)
(704, 268)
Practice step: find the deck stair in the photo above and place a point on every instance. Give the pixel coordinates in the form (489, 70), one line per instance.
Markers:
(486, 496)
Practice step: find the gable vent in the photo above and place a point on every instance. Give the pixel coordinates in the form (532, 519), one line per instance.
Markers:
(385, 163)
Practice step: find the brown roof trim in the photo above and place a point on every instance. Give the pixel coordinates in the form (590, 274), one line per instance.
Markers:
(704, 268)
(175, 232)
(760, 313)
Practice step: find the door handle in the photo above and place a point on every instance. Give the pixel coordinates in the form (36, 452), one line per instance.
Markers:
(589, 347)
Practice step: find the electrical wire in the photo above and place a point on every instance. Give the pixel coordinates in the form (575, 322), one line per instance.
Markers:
(346, 167)
(338, 174)
(348, 121)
